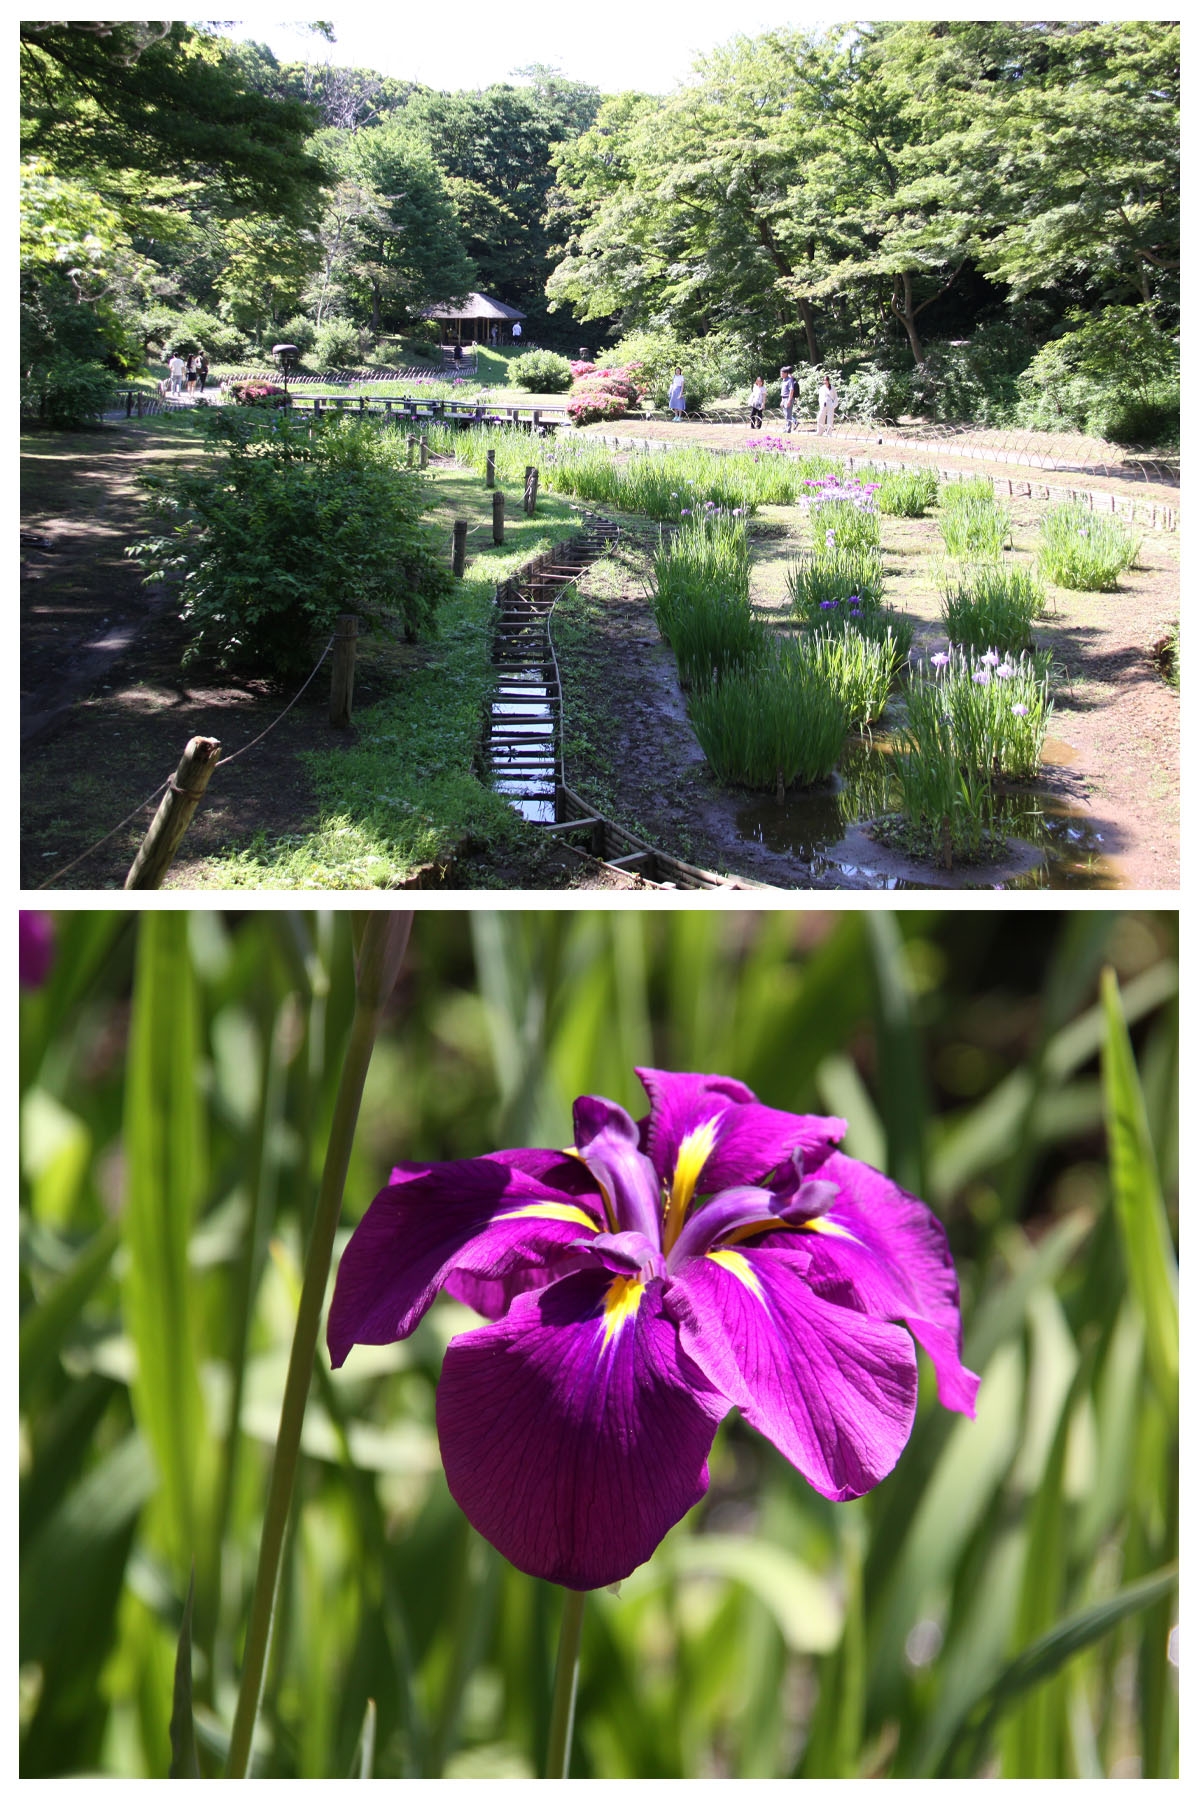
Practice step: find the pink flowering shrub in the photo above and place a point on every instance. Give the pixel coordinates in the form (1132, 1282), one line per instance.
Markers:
(582, 368)
(603, 394)
(256, 393)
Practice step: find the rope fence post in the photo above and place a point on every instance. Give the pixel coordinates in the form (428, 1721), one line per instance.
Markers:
(498, 517)
(531, 488)
(489, 473)
(424, 451)
(174, 814)
(341, 682)
(412, 450)
(460, 546)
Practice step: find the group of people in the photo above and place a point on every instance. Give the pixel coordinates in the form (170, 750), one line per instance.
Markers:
(789, 393)
(194, 371)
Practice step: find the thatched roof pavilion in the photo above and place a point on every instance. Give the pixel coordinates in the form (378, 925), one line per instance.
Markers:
(474, 321)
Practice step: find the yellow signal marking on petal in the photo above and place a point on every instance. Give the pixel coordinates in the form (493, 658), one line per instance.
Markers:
(693, 1152)
(830, 1228)
(621, 1302)
(737, 1265)
(551, 1209)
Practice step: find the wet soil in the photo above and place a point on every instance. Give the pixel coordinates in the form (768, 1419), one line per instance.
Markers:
(1104, 815)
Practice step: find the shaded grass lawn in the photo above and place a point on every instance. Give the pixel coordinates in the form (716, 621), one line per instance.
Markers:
(407, 792)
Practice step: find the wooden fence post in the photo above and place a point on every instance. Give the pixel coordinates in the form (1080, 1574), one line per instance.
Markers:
(412, 451)
(498, 517)
(341, 685)
(183, 795)
(129, 404)
(489, 474)
(139, 405)
(424, 459)
(460, 546)
(531, 487)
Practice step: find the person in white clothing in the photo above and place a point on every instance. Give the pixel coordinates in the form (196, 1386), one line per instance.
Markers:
(516, 331)
(675, 398)
(826, 406)
(177, 369)
(758, 399)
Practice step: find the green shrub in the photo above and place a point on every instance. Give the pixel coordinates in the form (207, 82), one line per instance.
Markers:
(907, 495)
(336, 345)
(992, 605)
(1081, 551)
(67, 393)
(822, 580)
(299, 331)
(779, 721)
(1113, 372)
(279, 532)
(540, 372)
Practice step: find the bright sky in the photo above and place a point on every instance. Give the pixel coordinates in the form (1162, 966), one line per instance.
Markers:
(471, 43)
(644, 44)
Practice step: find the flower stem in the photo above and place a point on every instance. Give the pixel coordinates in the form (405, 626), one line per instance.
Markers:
(566, 1681)
(299, 1376)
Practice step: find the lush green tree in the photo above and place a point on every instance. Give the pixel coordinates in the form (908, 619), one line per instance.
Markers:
(166, 100)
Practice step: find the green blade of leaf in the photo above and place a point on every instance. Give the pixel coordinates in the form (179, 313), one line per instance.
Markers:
(185, 1762)
(1137, 1199)
(365, 1755)
(46, 1327)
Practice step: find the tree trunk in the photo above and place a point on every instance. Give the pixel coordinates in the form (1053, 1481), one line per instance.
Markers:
(906, 314)
(374, 307)
(806, 318)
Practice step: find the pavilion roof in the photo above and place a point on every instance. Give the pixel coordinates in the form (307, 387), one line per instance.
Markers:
(476, 306)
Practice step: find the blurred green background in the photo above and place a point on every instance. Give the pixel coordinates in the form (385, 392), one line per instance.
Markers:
(1002, 1604)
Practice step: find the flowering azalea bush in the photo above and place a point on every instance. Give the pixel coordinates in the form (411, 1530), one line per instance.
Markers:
(256, 393)
(716, 1253)
(602, 394)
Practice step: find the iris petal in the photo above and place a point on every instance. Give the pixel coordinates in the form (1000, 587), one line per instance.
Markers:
(882, 1252)
(833, 1390)
(502, 1220)
(575, 1432)
(750, 1140)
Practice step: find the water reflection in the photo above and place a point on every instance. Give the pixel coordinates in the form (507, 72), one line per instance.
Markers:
(812, 822)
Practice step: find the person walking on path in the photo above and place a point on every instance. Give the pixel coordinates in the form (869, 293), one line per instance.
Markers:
(191, 373)
(826, 406)
(758, 399)
(787, 395)
(516, 332)
(177, 369)
(675, 399)
(201, 372)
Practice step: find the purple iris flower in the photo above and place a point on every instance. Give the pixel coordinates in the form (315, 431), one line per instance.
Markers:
(719, 1253)
(36, 947)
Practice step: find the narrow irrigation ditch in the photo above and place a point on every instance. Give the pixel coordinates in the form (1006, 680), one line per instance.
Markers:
(524, 744)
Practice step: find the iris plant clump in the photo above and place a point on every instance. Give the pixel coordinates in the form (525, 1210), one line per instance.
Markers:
(992, 605)
(716, 1253)
(1079, 550)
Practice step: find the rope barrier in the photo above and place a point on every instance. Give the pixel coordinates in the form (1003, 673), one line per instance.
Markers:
(170, 781)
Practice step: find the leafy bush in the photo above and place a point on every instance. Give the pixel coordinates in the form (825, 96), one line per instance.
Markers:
(67, 393)
(1113, 372)
(907, 495)
(1079, 550)
(540, 372)
(279, 532)
(779, 721)
(873, 392)
(992, 605)
(606, 393)
(300, 331)
(823, 579)
(198, 329)
(336, 345)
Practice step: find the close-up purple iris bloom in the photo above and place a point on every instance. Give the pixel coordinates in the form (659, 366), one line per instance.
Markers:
(719, 1253)
(36, 948)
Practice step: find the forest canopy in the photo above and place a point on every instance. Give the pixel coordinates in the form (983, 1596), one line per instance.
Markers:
(921, 206)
